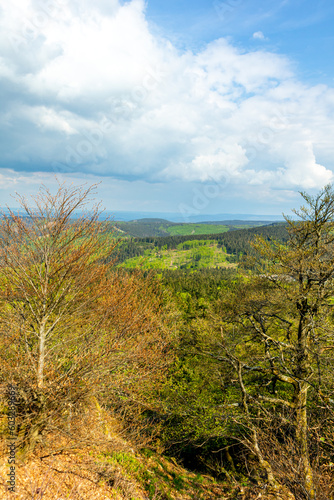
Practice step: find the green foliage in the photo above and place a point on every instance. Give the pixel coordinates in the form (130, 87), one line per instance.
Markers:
(161, 227)
(186, 229)
(158, 476)
(232, 245)
(255, 349)
(188, 255)
(187, 245)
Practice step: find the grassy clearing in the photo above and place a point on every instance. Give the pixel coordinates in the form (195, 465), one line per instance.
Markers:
(189, 255)
(187, 229)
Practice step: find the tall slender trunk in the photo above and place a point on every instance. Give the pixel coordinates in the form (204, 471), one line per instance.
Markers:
(264, 464)
(41, 355)
(303, 371)
(302, 438)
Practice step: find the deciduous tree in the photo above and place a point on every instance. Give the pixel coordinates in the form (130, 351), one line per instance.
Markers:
(71, 327)
(278, 333)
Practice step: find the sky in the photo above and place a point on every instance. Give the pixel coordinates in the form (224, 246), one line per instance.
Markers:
(192, 107)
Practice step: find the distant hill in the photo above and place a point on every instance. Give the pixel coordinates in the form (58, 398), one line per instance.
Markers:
(156, 227)
(240, 223)
(178, 217)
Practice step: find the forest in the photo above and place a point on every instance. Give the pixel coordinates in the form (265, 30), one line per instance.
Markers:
(124, 376)
(151, 227)
(234, 243)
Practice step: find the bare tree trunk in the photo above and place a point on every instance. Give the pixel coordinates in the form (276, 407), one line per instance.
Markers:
(41, 355)
(303, 371)
(264, 464)
(302, 438)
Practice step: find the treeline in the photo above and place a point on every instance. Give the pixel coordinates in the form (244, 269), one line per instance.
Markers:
(234, 242)
(145, 227)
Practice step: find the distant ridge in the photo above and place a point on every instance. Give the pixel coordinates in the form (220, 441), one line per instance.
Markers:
(119, 215)
(241, 221)
(148, 220)
(127, 216)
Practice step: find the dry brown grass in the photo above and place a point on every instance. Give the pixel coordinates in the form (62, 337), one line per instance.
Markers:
(84, 476)
(61, 478)
(67, 466)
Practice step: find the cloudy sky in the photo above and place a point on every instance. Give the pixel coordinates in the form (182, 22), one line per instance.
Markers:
(176, 106)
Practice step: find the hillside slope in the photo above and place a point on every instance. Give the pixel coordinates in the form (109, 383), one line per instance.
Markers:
(143, 228)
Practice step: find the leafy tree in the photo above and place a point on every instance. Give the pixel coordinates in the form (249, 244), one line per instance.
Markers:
(277, 335)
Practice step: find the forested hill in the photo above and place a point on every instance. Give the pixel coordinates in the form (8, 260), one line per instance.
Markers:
(142, 228)
(234, 242)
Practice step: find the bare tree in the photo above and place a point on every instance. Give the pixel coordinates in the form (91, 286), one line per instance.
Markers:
(67, 325)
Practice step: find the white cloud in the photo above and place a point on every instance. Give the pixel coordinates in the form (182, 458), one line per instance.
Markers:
(88, 86)
(258, 35)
